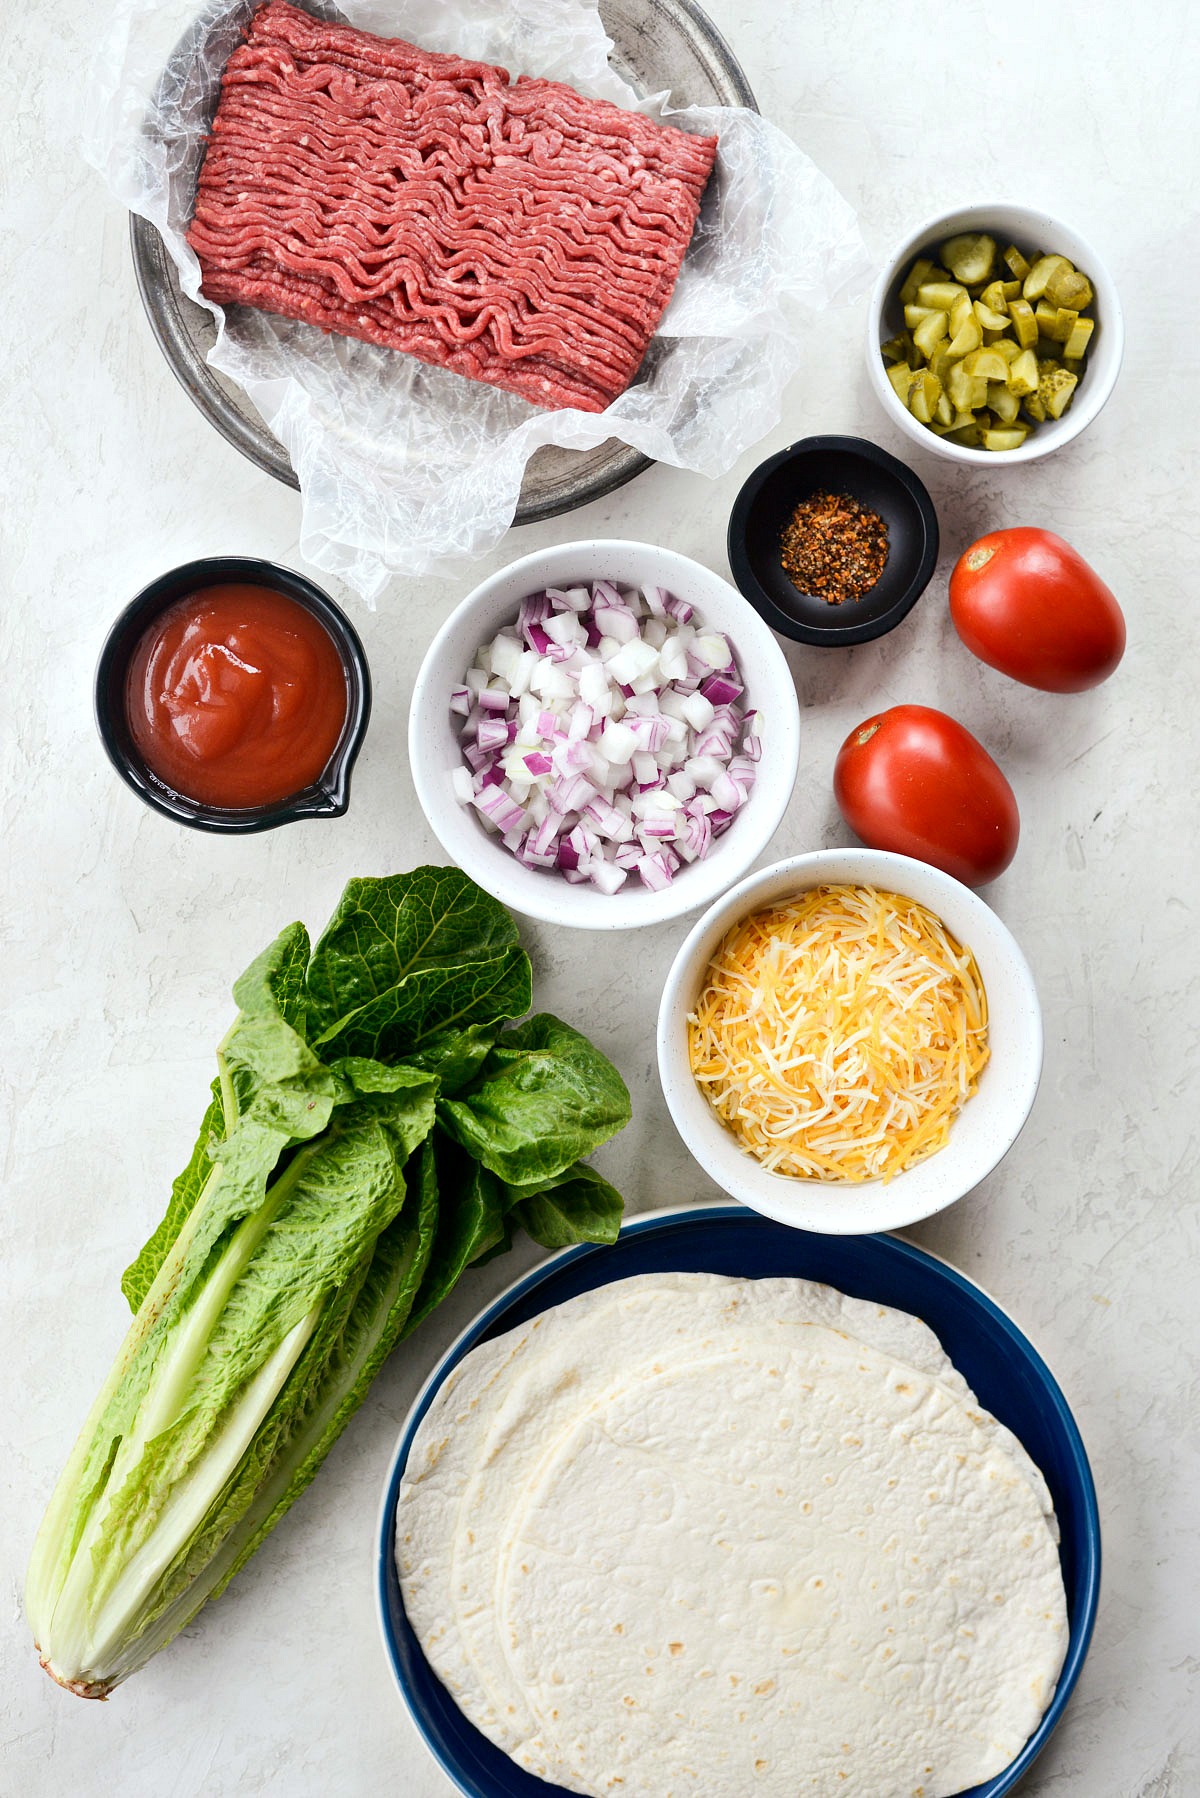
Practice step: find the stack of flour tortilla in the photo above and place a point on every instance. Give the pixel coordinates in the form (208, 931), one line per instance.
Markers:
(696, 1535)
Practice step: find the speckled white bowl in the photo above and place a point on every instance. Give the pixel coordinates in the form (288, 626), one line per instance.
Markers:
(434, 749)
(984, 1130)
(1030, 230)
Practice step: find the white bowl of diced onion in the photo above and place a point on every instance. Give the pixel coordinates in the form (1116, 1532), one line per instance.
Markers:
(989, 1121)
(604, 734)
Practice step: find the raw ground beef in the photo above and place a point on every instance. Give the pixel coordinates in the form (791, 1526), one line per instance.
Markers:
(515, 232)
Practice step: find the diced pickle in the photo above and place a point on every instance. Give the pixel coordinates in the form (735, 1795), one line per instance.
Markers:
(1023, 374)
(1009, 348)
(995, 299)
(1040, 275)
(1067, 287)
(1004, 439)
(895, 350)
(968, 437)
(901, 376)
(968, 338)
(1076, 343)
(1055, 322)
(914, 314)
(1003, 402)
(1033, 408)
(944, 411)
(991, 321)
(923, 396)
(1016, 262)
(941, 361)
(1055, 387)
(967, 392)
(1024, 324)
(921, 270)
(1012, 289)
(960, 312)
(987, 364)
(930, 331)
(942, 294)
(970, 256)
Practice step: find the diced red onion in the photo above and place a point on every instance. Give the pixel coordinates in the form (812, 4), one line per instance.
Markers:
(655, 872)
(495, 804)
(572, 793)
(726, 793)
(600, 735)
(607, 877)
(719, 689)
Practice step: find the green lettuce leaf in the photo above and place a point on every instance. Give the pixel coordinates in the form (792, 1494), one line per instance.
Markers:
(269, 1078)
(357, 1331)
(410, 956)
(544, 1097)
(430, 1002)
(470, 1222)
(578, 1206)
(138, 1277)
(455, 1056)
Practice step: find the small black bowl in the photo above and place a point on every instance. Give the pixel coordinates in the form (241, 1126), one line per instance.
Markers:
(327, 797)
(868, 474)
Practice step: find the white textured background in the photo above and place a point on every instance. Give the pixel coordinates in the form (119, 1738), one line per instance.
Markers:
(122, 932)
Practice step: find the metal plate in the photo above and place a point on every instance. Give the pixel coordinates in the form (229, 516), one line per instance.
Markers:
(657, 45)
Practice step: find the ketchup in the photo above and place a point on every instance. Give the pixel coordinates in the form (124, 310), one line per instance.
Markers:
(236, 696)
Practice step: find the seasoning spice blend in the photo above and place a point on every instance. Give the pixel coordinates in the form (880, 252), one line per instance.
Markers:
(833, 547)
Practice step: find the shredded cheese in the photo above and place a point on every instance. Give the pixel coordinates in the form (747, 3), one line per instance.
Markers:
(839, 1035)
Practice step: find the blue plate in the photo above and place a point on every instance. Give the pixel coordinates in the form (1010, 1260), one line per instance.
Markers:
(1008, 1375)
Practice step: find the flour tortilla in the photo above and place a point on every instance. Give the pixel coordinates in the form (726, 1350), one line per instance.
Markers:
(474, 1445)
(526, 1419)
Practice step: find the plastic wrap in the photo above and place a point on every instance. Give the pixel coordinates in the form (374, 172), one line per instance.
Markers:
(403, 466)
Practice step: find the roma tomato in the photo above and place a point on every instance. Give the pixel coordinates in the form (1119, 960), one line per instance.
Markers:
(1026, 603)
(914, 781)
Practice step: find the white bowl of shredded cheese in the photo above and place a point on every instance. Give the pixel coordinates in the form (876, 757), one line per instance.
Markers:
(849, 1041)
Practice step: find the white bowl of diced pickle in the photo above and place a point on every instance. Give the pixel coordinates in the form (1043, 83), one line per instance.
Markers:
(994, 330)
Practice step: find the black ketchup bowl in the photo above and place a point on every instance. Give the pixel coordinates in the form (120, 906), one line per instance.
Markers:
(879, 482)
(326, 797)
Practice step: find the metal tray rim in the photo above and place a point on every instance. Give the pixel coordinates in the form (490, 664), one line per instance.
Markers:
(157, 285)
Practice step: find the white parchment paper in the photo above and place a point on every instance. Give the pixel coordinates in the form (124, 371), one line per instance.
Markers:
(403, 466)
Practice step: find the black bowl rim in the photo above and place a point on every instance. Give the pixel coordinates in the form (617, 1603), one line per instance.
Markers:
(835, 636)
(328, 797)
